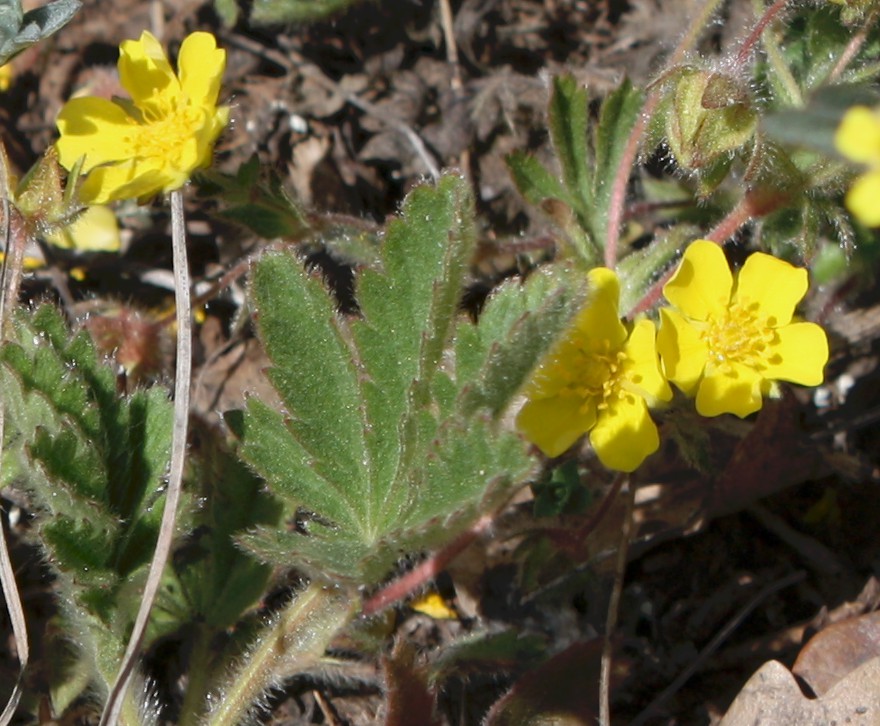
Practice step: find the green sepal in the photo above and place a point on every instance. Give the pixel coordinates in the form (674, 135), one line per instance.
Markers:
(710, 116)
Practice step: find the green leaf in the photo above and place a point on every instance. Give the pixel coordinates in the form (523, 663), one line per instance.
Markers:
(18, 32)
(618, 115)
(813, 127)
(409, 313)
(568, 118)
(94, 463)
(534, 181)
(217, 580)
(372, 457)
(255, 201)
(313, 372)
(228, 11)
(518, 325)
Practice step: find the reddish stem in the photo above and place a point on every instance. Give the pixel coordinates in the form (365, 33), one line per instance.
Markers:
(749, 43)
(404, 586)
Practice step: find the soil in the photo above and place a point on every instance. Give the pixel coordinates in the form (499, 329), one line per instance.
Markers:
(351, 113)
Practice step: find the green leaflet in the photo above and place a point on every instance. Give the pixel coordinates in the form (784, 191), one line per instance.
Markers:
(19, 30)
(617, 117)
(588, 161)
(390, 441)
(517, 327)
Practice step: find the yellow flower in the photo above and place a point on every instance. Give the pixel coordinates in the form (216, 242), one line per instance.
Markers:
(599, 379)
(729, 341)
(152, 143)
(858, 139)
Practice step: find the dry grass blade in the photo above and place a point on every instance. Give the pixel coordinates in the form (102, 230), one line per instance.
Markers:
(183, 372)
(11, 278)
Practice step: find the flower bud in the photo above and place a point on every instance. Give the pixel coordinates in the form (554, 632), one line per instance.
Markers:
(709, 117)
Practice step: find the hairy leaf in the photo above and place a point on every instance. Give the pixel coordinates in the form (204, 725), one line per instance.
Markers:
(390, 441)
(94, 463)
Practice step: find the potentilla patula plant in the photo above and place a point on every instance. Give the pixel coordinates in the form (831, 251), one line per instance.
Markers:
(727, 340)
(599, 379)
(151, 143)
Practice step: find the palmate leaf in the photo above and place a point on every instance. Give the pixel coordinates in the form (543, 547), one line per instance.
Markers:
(94, 463)
(389, 439)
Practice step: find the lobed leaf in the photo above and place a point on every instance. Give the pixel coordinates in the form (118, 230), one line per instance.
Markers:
(389, 441)
(94, 463)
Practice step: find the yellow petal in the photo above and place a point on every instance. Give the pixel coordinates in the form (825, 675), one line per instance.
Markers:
(144, 71)
(599, 321)
(625, 435)
(735, 389)
(858, 136)
(554, 424)
(125, 181)
(800, 356)
(201, 64)
(643, 365)
(96, 129)
(682, 350)
(773, 284)
(863, 199)
(701, 286)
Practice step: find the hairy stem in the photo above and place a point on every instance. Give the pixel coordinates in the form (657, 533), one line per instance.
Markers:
(293, 642)
(789, 85)
(112, 709)
(748, 45)
(198, 682)
(633, 142)
(856, 43)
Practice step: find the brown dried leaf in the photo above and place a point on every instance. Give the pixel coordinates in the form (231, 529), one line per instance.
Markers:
(838, 650)
(772, 696)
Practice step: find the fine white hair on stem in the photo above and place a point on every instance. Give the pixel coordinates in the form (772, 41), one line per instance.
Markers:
(9, 282)
(113, 707)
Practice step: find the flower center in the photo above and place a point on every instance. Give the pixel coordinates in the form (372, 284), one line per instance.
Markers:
(595, 377)
(165, 130)
(741, 336)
